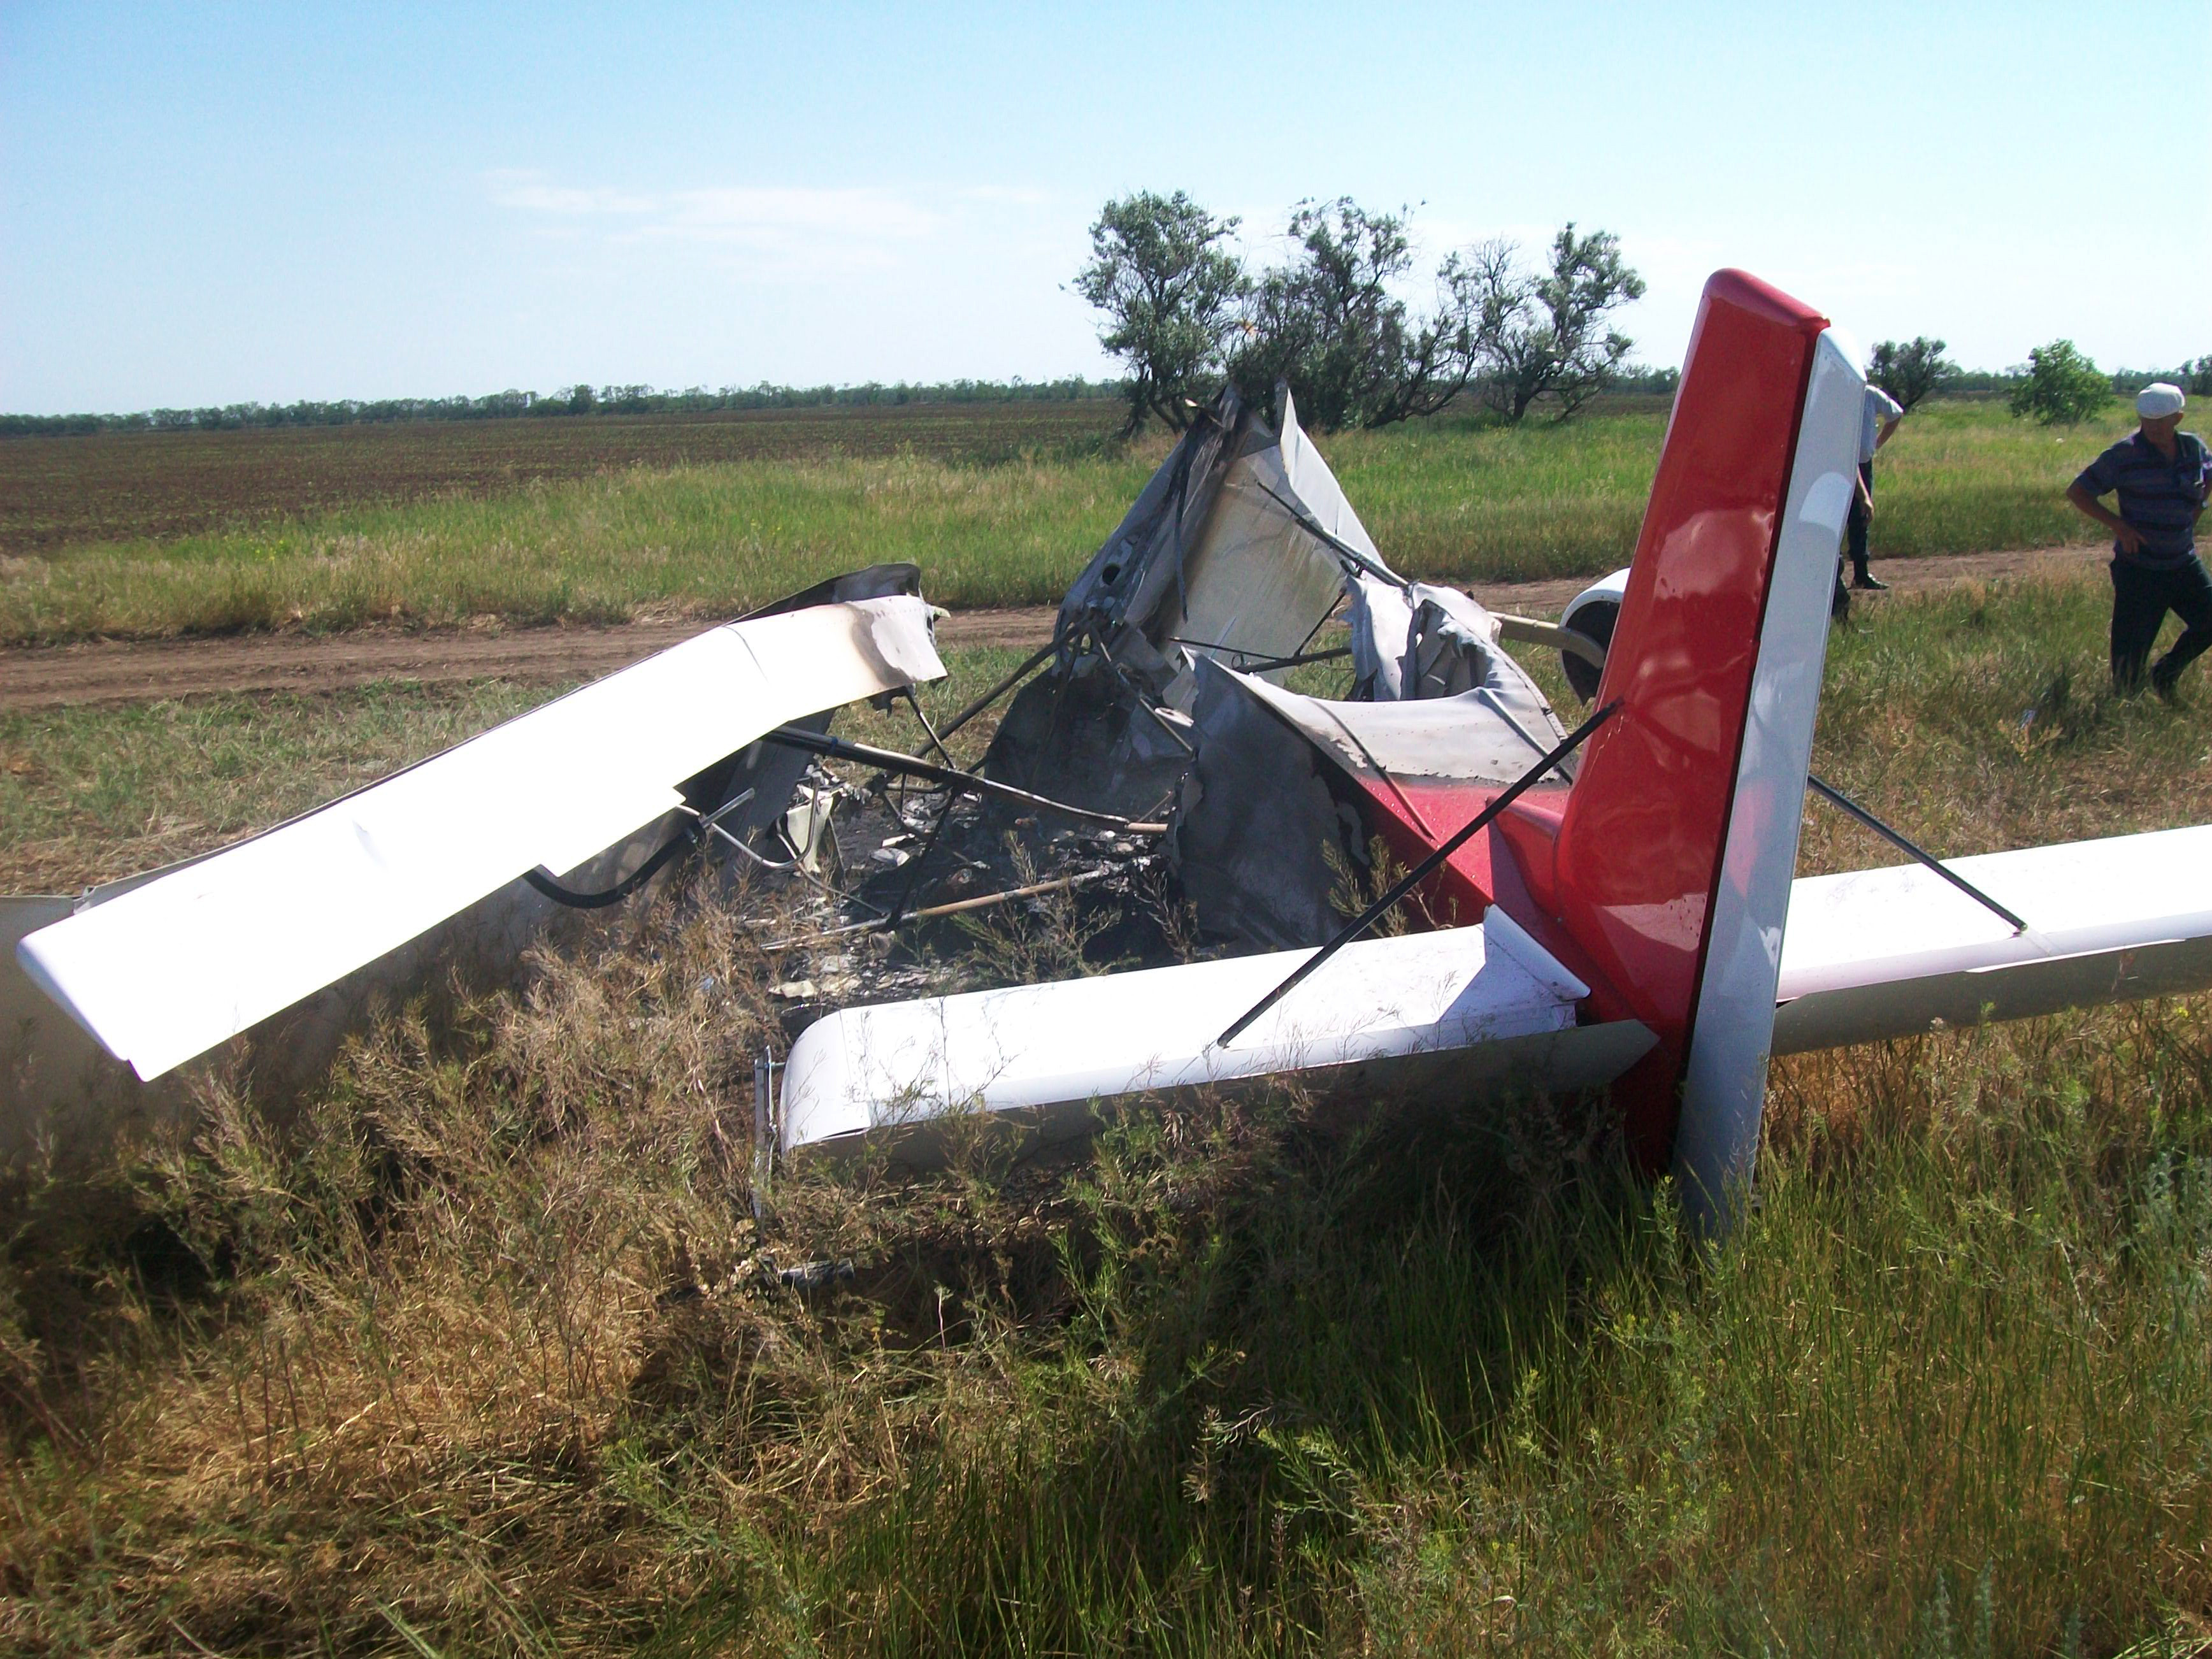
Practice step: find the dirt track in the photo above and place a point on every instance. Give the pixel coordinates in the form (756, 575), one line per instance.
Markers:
(46, 676)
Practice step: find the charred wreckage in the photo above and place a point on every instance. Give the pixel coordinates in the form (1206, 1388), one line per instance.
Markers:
(1613, 906)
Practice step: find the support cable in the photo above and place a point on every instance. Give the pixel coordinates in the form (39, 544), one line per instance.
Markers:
(1836, 797)
(886, 760)
(686, 836)
(998, 690)
(1421, 872)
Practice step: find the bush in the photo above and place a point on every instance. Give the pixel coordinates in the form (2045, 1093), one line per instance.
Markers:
(1169, 291)
(1546, 335)
(1911, 370)
(2062, 386)
(1327, 326)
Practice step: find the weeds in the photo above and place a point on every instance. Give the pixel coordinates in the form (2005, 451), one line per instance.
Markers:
(489, 1348)
(486, 1351)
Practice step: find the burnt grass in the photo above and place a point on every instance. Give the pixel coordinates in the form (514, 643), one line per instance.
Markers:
(122, 486)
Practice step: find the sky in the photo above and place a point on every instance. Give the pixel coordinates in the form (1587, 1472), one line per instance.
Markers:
(216, 203)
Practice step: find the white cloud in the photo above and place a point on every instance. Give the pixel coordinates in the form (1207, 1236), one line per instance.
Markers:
(528, 192)
(1007, 195)
(791, 221)
(786, 229)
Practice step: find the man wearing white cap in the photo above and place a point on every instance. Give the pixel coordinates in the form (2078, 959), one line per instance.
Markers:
(2163, 476)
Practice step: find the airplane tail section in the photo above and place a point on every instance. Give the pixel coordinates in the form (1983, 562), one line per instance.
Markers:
(1672, 863)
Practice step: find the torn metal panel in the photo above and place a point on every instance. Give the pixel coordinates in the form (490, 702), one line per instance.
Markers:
(1382, 621)
(1137, 569)
(1485, 735)
(1238, 548)
(1259, 580)
(1453, 1013)
(1238, 552)
(1266, 829)
(1276, 810)
(1423, 641)
(1089, 737)
(166, 971)
(1451, 646)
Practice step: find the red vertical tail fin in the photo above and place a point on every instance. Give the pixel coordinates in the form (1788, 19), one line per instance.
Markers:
(1686, 806)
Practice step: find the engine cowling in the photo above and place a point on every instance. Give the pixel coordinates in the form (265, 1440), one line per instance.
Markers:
(1592, 614)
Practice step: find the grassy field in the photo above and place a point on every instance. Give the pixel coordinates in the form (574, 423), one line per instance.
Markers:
(999, 522)
(486, 1356)
(120, 486)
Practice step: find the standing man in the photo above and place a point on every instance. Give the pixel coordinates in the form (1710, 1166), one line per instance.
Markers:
(2162, 475)
(1877, 420)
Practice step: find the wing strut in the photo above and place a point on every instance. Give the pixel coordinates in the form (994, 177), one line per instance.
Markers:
(1835, 797)
(1421, 872)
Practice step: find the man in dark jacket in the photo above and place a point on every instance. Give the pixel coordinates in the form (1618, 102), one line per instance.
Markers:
(2162, 476)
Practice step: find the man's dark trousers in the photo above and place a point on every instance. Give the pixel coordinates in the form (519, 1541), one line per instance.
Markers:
(2142, 596)
(1858, 521)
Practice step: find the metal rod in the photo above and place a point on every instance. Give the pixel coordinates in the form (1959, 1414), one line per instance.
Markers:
(1835, 797)
(1249, 664)
(795, 864)
(773, 866)
(998, 690)
(914, 702)
(1530, 631)
(914, 875)
(1342, 548)
(886, 760)
(1081, 878)
(1143, 702)
(1421, 872)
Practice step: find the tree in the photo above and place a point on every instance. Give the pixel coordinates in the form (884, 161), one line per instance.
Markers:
(2197, 381)
(1169, 291)
(1539, 335)
(1327, 326)
(1911, 371)
(2062, 385)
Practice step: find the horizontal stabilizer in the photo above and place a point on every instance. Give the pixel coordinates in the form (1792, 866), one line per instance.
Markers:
(1452, 1012)
(1892, 952)
(167, 970)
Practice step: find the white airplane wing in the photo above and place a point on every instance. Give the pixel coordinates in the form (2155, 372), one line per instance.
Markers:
(169, 969)
(1460, 1012)
(1882, 953)
(1443, 1013)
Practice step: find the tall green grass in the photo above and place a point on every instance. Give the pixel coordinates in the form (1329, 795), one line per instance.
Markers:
(486, 1354)
(1454, 497)
(485, 1360)
(1983, 718)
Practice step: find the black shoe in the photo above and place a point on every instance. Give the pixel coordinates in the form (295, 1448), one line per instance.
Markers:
(1869, 584)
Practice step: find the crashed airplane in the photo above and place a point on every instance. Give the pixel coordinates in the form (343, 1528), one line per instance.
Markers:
(1610, 908)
